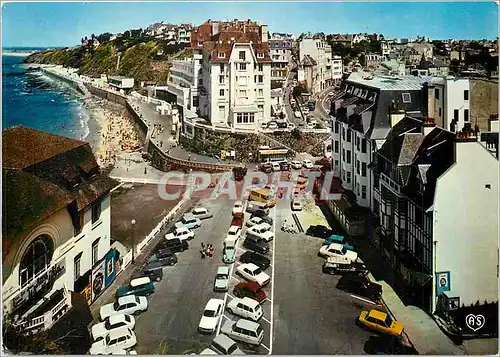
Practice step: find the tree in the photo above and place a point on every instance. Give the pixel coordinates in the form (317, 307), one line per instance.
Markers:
(296, 134)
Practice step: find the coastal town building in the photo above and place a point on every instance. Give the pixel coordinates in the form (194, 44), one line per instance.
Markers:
(56, 230)
(337, 69)
(120, 83)
(236, 76)
(280, 48)
(363, 112)
(307, 73)
(318, 49)
(180, 34)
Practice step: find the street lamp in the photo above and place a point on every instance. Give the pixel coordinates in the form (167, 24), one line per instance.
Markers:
(133, 240)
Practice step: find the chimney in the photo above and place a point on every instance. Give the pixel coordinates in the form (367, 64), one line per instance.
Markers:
(264, 33)
(396, 116)
(428, 125)
(467, 134)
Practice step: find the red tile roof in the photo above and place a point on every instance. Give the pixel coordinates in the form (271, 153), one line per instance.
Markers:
(23, 147)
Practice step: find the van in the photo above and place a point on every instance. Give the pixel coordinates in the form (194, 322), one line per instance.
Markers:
(244, 330)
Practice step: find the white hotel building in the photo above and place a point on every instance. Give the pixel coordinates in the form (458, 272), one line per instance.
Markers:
(55, 228)
(316, 47)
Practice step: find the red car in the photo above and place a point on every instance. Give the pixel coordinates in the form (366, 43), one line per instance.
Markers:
(250, 289)
(238, 220)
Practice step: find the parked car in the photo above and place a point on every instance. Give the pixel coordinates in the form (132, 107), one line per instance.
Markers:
(175, 245)
(342, 265)
(255, 258)
(252, 272)
(284, 166)
(250, 289)
(188, 221)
(360, 285)
(320, 231)
(335, 238)
(238, 207)
(256, 244)
(153, 271)
(272, 126)
(233, 234)
(254, 221)
(296, 205)
(245, 307)
(266, 167)
(276, 166)
(261, 231)
(307, 163)
(221, 281)
(297, 165)
(202, 213)
(336, 250)
(380, 322)
(388, 345)
(212, 316)
(264, 217)
(257, 210)
(224, 345)
(121, 338)
(182, 233)
(164, 256)
(102, 329)
(139, 286)
(229, 253)
(238, 220)
(131, 305)
(244, 330)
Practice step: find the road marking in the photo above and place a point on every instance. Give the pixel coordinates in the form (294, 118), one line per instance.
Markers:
(229, 295)
(223, 315)
(366, 300)
(238, 280)
(239, 248)
(266, 320)
(263, 345)
(225, 300)
(270, 299)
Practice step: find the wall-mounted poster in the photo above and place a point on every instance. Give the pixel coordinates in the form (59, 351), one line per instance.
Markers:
(110, 267)
(442, 282)
(98, 279)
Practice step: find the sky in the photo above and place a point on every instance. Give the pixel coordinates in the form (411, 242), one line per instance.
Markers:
(64, 24)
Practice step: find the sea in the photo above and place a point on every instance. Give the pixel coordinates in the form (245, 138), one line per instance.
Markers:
(35, 100)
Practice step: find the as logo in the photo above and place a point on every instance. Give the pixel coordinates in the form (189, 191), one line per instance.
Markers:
(475, 322)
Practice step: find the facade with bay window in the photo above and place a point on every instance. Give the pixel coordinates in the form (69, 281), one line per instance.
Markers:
(57, 223)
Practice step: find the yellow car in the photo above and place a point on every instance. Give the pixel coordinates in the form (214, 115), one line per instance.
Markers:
(381, 322)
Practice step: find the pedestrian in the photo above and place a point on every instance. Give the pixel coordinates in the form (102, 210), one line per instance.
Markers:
(202, 245)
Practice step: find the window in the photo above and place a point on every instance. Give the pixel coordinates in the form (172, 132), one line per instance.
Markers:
(95, 251)
(243, 93)
(439, 111)
(406, 97)
(243, 66)
(221, 79)
(241, 55)
(245, 118)
(336, 144)
(348, 135)
(221, 92)
(436, 93)
(221, 55)
(363, 191)
(336, 163)
(348, 156)
(260, 107)
(363, 169)
(260, 67)
(348, 177)
(80, 222)
(261, 92)
(343, 174)
(357, 142)
(36, 259)
(466, 95)
(466, 114)
(337, 125)
(343, 154)
(455, 114)
(261, 79)
(222, 68)
(260, 55)
(357, 167)
(343, 133)
(77, 262)
(363, 146)
(96, 211)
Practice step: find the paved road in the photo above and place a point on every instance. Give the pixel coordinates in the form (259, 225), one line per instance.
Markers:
(311, 316)
(323, 103)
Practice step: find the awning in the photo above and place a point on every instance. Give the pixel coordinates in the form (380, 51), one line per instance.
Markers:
(246, 109)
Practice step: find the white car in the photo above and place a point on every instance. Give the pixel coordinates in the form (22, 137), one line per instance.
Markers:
(223, 345)
(202, 213)
(257, 221)
(337, 250)
(188, 221)
(252, 272)
(246, 307)
(307, 164)
(208, 351)
(254, 221)
(121, 338)
(212, 316)
(183, 233)
(297, 165)
(262, 231)
(233, 234)
(272, 126)
(244, 330)
(238, 207)
(130, 305)
(102, 329)
(276, 166)
(296, 205)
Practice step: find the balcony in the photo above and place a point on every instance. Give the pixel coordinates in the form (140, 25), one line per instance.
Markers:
(391, 185)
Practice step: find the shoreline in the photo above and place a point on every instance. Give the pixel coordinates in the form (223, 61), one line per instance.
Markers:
(17, 54)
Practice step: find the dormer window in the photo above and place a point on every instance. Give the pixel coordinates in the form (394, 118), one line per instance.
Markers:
(221, 55)
(406, 97)
(260, 55)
